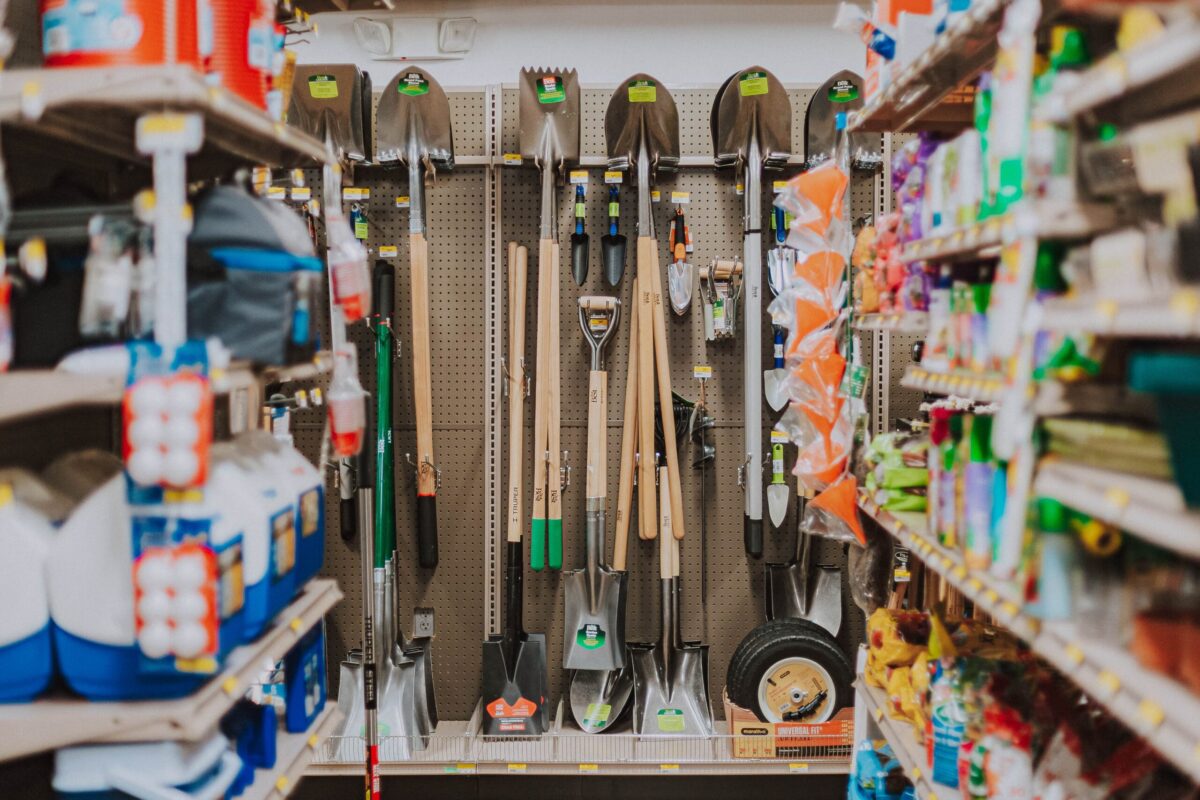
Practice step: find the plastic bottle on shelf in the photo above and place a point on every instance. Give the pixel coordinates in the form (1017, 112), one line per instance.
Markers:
(26, 663)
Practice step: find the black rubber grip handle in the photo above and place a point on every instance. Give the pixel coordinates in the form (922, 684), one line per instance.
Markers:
(349, 516)
(753, 533)
(384, 289)
(427, 542)
(514, 594)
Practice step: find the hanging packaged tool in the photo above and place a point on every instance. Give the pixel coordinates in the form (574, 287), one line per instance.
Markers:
(681, 275)
(721, 286)
(579, 239)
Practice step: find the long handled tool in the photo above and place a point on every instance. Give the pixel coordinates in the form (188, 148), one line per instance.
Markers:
(704, 454)
(628, 434)
(413, 123)
(549, 138)
(594, 597)
(792, 592)
(369, 668)
(641, 126)
(670, 678)
(752, 132)
(514, 662)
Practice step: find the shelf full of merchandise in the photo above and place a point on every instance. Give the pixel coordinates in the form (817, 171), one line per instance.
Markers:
(899, 735)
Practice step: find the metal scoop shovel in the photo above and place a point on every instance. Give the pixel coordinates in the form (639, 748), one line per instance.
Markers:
(328, 103)
(752, 132)
(791, 592)
(594, 622)
(670, 678)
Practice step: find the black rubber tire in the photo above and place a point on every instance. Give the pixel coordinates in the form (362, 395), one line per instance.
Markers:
(779, 639)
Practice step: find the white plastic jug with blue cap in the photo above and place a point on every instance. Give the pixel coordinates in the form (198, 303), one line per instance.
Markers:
(26, 661)
(202, 770)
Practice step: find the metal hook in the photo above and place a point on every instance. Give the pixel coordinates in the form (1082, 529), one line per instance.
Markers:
(741, 473)
(564, 472)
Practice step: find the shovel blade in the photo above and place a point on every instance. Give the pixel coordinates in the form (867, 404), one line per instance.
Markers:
(613, 248)
(681, 277)
(514, 695)
(399, 728)
(594, 637)
(671, 702)
(413, 116)
(579, 257)
(775, 388)
(642, 106)
(327, 102)
(420, 652)
(599, 698)
(347, 736)
(549, 109)
(777, 502)
(791, 596)
(753, 100)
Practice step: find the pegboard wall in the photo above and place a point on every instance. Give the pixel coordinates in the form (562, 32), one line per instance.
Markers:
(466, 226)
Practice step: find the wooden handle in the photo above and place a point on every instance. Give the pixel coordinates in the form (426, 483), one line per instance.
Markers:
(422, 380)
(517, 271)
(645, 390)
(597, 457)
(665, 400)
(541, 378)
(666, 545)
(628, 443)
(554, 441)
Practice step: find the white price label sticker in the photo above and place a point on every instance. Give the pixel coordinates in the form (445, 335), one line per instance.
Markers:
(778, 186)
(301, 193)
(403, 202)
(579, 177)
(513, 160)
(740, 189)
(655, 195)
(276, 193)
(388, 251)
(779, 437)
(795, 767)
(701, 372)
(355, 193)
(613, 176)
(681, 198)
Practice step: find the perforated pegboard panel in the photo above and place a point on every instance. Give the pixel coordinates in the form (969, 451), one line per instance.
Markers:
(459, 301)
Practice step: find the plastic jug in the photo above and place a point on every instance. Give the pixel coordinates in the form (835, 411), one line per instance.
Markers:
(26, 661)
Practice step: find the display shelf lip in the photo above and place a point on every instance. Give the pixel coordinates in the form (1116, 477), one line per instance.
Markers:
(903, 742)
(27, 94)
(981, 387)
(895, 322)
(294, 755)
(1161, 316)
(53, 722)
(968, 241)
(1153, 510)
(1160, 709)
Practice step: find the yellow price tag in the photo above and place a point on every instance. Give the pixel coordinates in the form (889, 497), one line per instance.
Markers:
(1109, 681)
(668, 768)
(1009, 609)
(991, 596)
(1185, 303)
(655, 195)
(230, 686)
(1116, 496)
(1151, 712)
(296, 624)
(517, 768)
(276, 193)
(1107, 309)
(960, 572)
(403, 201)
(579, 177)
(313, 741)
(701, 372)
(388, 251)
(464, 769)
(681, 198)
(512, 159)
(878, 714)
(613, 176)
(798, 767)
(974, 584)
(916, 773)
(163, 123)
(281, 784)
(1074, 654)
(301, 193)
(588, 769)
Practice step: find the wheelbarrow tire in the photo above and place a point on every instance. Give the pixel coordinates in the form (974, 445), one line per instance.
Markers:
(779, 639)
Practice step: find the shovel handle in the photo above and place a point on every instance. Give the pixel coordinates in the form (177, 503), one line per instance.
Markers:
(597, 461)
(427, 544)
(537, 524)
(667, 546)
(554, 443)
(666, 400)
(517, 270)
(628, 444)
(647, 265)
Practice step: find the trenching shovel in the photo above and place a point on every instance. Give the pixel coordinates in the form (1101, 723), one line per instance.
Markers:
(549, 139)
(775, 379)
(752, 131)
(514, 662)
(594, 621)
(791, 592)
(670, 678)
(413, 129)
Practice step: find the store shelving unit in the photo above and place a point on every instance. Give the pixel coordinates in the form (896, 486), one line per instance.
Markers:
(895, 322)
(1163, 711)
(1175, 316)
(59, 721)
(293, 754)
(1152, 510)
(900, 736)
(973, 241)
(984, 388)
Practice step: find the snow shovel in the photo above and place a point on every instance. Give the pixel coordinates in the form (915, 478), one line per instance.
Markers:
(670, 678)
(790, 591)
(594, 597)
(775, 379)
(514, 662)
(753, 132)
(641, 126)
(549, 139)
(413, 129)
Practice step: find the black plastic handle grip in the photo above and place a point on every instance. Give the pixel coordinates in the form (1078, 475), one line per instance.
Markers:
(427, 539)
(753, 534)
(384, 289)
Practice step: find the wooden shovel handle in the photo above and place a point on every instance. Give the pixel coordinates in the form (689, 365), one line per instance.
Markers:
(666, 544)
(628, 443)
(666, 401)
(541, 377)
(597, 457)
(427, 544)
(646, 248)
(554, 441)
(517, 272)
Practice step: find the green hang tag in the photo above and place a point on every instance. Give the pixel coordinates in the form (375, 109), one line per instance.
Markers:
(614, 209)
(590, 637)
(718, 309)
(360, 229)
(414, 84)
(579, 210)
(752, 84)
(550, 90)
(642, 91)
(670, 720)
(322, 87)
(843, 91)
(597, 715)
(854, 384)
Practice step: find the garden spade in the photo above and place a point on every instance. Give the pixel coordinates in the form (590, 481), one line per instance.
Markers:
(413, 129)
(777, 489)
(549, 138)
(670, 678)
(594, 622)
(752, 132)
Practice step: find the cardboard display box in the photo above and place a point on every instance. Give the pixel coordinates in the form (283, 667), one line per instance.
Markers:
(821, 741)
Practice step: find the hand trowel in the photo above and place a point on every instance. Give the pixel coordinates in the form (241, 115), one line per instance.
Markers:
(777, 489)
(579, 240)
(775, 379)
(612, 244)
(681, 275)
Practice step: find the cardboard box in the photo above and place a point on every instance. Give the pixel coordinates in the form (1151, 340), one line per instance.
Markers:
(820, 741)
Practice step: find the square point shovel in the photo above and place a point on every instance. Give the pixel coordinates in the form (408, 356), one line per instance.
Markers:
(594, 619)
(752, 131)
(670, 678)
(797, 590)
(549, 138)
(413, 129)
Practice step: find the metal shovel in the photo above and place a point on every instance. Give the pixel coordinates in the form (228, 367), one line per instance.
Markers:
(594, 621)
(792, 595)
(753, 132)
(328, 103)
(413, 129)
(670, 678)
(775, 379)
(549, 138)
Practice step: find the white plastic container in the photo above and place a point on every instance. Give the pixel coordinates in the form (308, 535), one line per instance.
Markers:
(147, 770)
(26, 660)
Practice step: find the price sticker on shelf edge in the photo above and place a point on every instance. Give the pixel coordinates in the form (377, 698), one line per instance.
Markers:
(1152, 712)
(356, 193)
(589, 769)
(901, 572)
(701, 372)
(276, 193)
(512, 159)
(463, 769)
(798, 767)
(1109, 681)
(388, 251)
(668, 769)
(518, 769)
(681, 198)
(613, 176)
(1074, 654)
(655, 195)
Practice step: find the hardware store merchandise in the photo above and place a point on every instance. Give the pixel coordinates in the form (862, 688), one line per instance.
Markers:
(685, 399)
